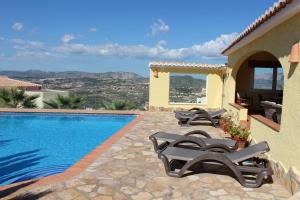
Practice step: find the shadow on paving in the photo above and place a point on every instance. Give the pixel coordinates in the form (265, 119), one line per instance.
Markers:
(218, 169)
(25, 196)
(31, 196)
(14, 189)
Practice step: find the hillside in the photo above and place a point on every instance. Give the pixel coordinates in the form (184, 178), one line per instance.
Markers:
(97, 88)
(94, 87)
(38, 74)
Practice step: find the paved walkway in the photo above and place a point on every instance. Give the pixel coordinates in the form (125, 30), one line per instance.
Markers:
(131, 170)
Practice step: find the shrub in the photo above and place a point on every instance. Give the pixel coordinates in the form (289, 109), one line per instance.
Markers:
(61, 102)
(15, 98)
(118, 105)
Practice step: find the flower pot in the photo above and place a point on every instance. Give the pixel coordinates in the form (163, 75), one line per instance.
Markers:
(226, 128)
(241, 142)
(222, 126)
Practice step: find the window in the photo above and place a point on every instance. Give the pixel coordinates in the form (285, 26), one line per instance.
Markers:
(187, 88)
(263, 78)
(279, 83)
(268, 78)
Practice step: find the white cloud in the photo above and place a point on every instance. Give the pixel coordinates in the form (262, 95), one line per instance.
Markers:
(38, 50)
(32, 55)
(208, 50)
(93, 29)
(21, 44)
(18, 26)
(67, 38)
(159, 26)
(27, 50)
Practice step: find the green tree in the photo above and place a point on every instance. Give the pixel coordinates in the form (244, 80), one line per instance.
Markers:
(117, 105)
(61, 102)
(15, 98)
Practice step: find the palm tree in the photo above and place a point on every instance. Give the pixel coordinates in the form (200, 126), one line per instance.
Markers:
(117, 105)
(61, 102)
(15, 98)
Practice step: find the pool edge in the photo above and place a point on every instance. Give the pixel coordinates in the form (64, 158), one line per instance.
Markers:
(84, 162)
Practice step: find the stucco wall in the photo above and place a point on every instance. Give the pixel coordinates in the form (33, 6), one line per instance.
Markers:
(46, 95)
(159, 89)
(285, 143)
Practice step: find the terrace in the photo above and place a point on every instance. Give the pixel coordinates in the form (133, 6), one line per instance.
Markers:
(129, 169)
(126, 167)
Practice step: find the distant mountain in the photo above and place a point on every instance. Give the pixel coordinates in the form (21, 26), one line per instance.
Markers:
(186, 82)
(38, 74)
(264, 76)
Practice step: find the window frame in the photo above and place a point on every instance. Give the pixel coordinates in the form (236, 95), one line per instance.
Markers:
(277, 90)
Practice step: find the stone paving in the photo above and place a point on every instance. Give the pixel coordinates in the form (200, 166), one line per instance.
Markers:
(131, 170)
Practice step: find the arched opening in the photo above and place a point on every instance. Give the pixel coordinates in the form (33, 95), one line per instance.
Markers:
(259, 86)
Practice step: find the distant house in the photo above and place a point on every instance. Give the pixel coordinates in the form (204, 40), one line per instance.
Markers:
(31, 89)
(7, 83)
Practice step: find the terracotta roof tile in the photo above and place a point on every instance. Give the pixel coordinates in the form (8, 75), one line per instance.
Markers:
(269, 13)
(6, 82)
(185, 65)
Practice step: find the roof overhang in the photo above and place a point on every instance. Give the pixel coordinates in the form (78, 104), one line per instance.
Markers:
(186, 65)
(270, 19)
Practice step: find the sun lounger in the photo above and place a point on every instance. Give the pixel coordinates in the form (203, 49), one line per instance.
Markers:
(245, 165)
(167, 138)
(199, 116)
(190, 111)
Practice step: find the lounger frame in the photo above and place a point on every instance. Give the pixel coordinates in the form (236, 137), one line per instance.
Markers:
(260, 168)
(190, 137)
(199, 115)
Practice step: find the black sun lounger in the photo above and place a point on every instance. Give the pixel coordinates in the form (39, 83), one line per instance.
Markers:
(189, 112)
(186, 119)
(167, 138)
(245, 165)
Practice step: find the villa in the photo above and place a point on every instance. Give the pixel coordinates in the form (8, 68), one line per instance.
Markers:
(259, 87)
(270, 44)
(31, 89)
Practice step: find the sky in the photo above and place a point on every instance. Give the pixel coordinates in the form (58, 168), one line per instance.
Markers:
(111, 35)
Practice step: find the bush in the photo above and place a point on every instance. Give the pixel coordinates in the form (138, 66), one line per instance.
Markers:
(118, 105)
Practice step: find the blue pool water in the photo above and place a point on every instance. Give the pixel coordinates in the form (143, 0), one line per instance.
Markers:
(39, 145)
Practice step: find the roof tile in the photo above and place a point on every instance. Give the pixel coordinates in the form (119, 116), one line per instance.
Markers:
(160, 64)
(268, 14)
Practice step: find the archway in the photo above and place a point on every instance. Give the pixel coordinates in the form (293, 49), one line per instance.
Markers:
(259, 85)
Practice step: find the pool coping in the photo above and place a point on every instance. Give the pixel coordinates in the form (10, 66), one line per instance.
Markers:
(88, 159)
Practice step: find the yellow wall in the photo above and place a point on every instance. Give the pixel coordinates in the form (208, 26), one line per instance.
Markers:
(285, 144)
(159, 89)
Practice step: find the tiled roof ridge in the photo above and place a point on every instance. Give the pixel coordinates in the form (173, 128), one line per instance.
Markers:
(184, 64)
(268, 14)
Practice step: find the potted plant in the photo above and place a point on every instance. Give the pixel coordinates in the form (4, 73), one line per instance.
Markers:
(243, 137)
(225, 122)
(233, 131)
(239, 134)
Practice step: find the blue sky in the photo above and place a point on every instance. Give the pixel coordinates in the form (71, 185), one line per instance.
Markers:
(100, 36)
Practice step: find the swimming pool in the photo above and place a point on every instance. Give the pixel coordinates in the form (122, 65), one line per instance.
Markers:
(34, 145)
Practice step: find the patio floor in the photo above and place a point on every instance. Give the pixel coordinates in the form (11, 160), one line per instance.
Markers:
(131, 170)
